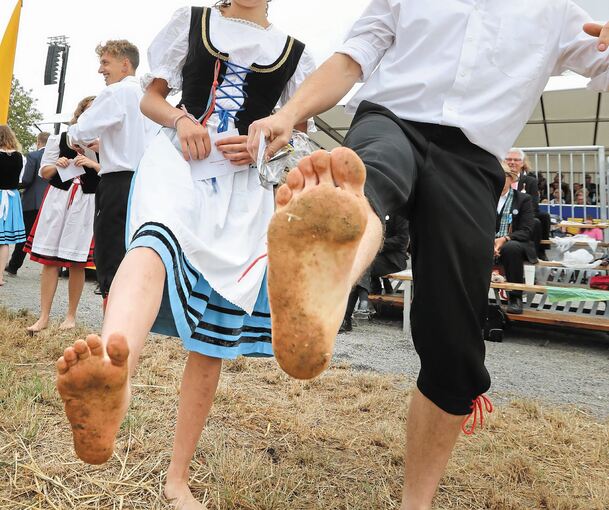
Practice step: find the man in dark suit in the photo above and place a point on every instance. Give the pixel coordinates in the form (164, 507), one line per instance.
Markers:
(528, 183)
(513, 236)
(34, 188)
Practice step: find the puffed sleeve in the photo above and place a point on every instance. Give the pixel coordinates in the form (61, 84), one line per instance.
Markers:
(168, 51)
(51, 153)
(306, 66)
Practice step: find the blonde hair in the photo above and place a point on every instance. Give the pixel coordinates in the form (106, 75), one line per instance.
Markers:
(82, 106)
(120, 49)
(8, 140)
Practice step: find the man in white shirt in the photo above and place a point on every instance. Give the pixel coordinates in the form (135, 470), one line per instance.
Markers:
(116, 121)
(448, 86)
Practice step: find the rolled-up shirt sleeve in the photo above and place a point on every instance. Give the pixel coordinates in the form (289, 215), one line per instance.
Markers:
(371, 36)
(103, 113)
(168, 52)
(578, 51)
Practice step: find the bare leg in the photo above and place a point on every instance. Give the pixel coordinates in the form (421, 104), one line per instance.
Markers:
(324, 234)
(93, 376)
(3, 261)
(199, 385)
(48, 286)
(430, 438)
(75, 286)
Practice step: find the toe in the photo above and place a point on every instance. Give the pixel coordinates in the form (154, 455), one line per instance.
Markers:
(322, 162)
(306, 167)
(70, 356)
(295, 180)
(82, 349)
(284, 195)
(95, 345)
(348, 170)
(62, 366)
(117, 348)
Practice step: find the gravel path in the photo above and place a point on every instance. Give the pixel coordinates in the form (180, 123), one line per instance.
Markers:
(551, 365)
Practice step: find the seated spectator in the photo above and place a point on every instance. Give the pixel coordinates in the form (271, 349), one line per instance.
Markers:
(581, 197)
(391, 259)
(591, 187)
(527, 183)
(594, 233)
(513, 234)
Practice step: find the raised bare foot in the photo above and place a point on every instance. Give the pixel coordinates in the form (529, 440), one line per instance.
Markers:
(68, 324)
(93, 385)
(180, 496)
(312, 242)
(39, 325)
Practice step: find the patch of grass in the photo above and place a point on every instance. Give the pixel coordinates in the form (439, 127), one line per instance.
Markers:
(273, 443)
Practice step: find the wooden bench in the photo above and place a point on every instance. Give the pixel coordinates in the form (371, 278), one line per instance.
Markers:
(537, 308)
(577, 244)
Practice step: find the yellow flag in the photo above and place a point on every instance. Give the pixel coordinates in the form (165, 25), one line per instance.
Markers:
(8, 48)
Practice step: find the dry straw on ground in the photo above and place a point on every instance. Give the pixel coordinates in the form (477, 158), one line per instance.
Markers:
(273, 443)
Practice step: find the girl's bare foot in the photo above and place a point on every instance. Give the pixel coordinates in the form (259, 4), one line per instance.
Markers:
(179, 495)
(39, 325)
(313, 239)
(68, 324)
(93, 385)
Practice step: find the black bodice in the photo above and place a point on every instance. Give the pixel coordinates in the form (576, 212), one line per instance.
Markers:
(10, 169)
(263, 86)
(88, 180)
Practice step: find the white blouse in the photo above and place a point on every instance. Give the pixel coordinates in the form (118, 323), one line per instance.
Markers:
(245, 42)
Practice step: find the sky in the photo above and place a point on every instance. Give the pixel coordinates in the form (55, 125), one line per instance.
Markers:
(321, 24)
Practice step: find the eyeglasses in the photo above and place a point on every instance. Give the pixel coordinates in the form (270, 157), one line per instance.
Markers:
(513, 159)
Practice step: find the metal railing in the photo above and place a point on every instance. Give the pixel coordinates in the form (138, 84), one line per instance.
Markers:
(573, 181)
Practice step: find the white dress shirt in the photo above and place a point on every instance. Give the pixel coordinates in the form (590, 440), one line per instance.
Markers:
(479, 65)
(115, 118)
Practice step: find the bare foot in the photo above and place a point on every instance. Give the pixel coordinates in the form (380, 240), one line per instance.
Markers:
(180, 496)
(38, 326)
(94, 388)
(313, 239)
(68, 324)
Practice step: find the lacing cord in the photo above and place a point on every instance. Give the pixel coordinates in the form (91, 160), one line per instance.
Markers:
(251, 266)
(232, 89)
(477, 414)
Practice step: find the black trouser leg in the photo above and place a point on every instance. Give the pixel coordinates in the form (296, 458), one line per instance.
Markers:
(111, 201)
(512, 259)
(450, 188)
(353, 296)
(29, 218)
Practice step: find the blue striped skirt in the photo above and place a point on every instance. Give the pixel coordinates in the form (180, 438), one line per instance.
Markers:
(12, 228)
(206, 322)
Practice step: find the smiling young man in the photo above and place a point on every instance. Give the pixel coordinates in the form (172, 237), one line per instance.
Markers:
(115, 120)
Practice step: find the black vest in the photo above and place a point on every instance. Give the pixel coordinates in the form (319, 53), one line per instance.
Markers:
(10, 170)
(263, 86)
(88, 180)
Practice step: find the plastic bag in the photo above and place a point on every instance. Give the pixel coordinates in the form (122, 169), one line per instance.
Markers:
(274, 171)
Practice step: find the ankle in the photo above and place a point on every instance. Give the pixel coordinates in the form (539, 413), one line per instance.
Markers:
(176, 477)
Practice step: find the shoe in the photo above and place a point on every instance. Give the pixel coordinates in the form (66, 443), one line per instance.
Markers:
(11, 271)
(515, 305)
(346, 326)
(97, 290)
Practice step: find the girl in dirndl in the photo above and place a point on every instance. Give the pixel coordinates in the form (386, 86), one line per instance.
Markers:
(12, 228)
(62, 236)
(195, 268)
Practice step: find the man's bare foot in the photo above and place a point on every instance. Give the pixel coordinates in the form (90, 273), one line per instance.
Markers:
(93, 385)
(312, 242)
(68, 324)
(39, 325)
(180, 496)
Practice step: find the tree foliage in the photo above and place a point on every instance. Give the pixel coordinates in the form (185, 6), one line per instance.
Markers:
(23, 114)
